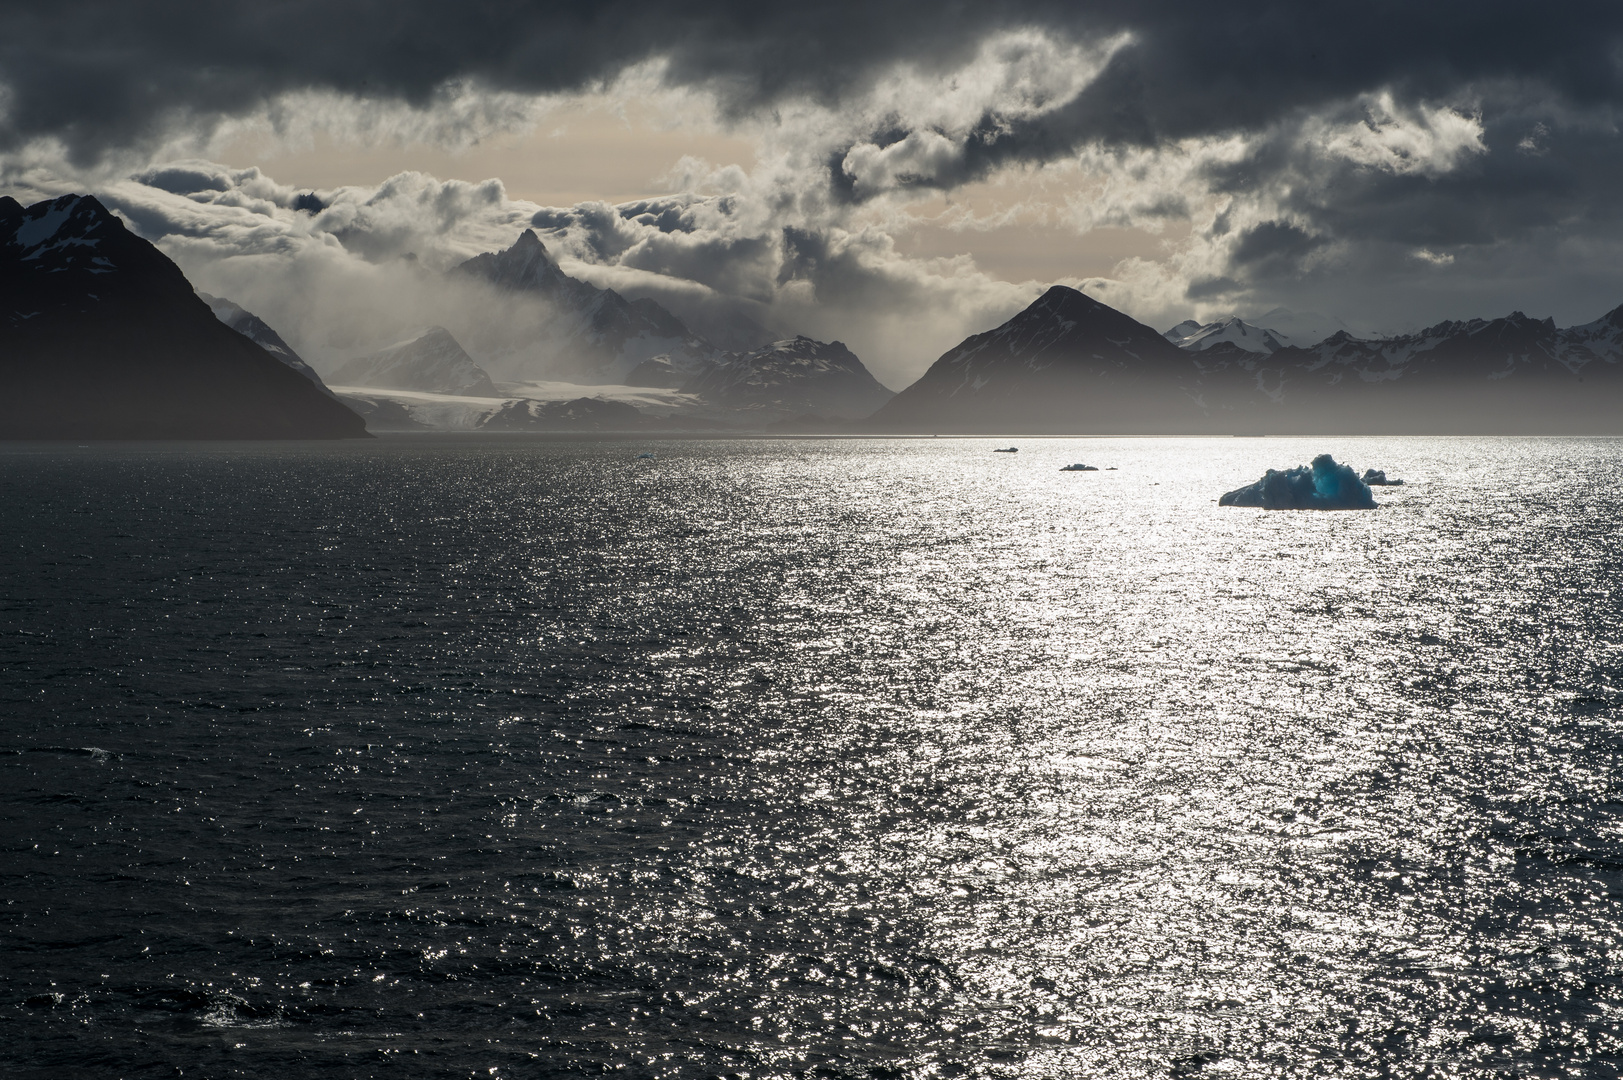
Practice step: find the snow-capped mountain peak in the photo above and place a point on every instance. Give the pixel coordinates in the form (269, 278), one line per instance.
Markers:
(63, 234)
(1232, 331)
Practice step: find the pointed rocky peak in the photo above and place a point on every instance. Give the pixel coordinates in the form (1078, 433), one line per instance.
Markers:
(1515, 323)
(1063, 318)
(10, 209)
(74, 247)
(794, 376)
(1609, 326)
(655, 317)
(61, 223)
(104, 338)
(1063, 302)
(1232, 331)
(526, 265)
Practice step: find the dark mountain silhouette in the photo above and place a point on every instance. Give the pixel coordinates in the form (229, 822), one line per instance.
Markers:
(1071, 365)
(1066, 364)
(102, 337)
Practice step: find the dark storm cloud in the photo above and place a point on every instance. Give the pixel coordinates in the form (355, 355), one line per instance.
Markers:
(105, 73)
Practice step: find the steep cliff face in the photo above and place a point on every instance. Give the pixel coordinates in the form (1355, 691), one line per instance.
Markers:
(102, 337)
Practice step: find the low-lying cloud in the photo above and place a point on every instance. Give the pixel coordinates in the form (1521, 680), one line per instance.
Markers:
(1391, 163)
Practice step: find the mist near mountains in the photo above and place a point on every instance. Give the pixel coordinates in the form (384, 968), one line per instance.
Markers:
(1390, 166)
(105, 337)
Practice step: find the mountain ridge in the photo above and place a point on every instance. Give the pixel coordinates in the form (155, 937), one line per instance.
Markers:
(1068, 364)
(102, 337)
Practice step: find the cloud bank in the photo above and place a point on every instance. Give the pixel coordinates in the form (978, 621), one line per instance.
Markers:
(1390, 163)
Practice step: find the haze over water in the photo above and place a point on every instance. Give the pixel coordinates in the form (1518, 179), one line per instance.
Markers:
(848, 758)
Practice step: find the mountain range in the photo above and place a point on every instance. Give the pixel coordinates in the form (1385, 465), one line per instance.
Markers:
(101, 336)
(1070, 365)
(640, 362)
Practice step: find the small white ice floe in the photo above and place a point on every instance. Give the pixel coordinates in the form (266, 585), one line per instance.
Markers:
(641, 457)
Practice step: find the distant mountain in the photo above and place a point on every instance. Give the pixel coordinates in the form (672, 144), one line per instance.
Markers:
(578, 414)
(793, 377)
(1300, 327)
(432, 361)
(1514, 345)
(1231, 331)
(256, 330)
(1065, 364)
(1070, 365)
(102, 337)
(598, 333)
(1511, 375)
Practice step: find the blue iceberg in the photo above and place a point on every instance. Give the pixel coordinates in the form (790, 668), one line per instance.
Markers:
(1377, 478)
(1324, 485)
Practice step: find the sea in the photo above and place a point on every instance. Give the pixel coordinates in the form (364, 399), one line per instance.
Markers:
(835, 758)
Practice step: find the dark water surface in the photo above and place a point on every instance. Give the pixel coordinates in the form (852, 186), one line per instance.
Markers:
(803, 758)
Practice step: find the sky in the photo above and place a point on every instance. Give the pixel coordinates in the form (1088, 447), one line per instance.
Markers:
(893, 175)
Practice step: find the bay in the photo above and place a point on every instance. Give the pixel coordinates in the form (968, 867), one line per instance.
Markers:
(852, 758)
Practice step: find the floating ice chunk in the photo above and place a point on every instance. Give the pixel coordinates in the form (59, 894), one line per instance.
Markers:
(1079, 467)
(1377, 478)
(1322, 486)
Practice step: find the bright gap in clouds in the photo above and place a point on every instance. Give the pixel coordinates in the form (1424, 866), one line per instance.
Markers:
(1012, 226)
(594, 151)
(1018, 226)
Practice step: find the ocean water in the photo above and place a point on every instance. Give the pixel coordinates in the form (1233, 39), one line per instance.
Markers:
(824, 758)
